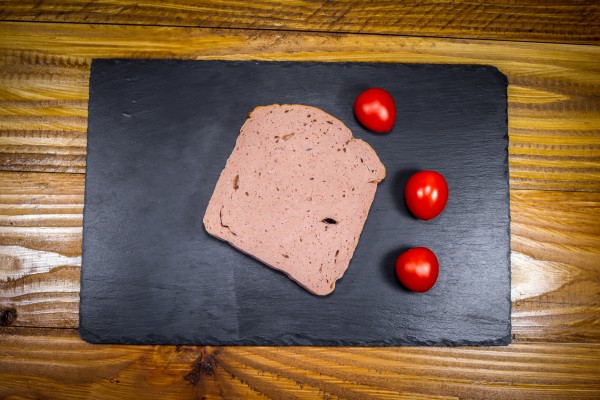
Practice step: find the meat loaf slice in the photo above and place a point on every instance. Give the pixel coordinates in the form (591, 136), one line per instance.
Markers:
(295, 193)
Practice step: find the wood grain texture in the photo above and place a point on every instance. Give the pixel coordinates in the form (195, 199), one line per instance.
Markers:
(554, 92)
(555, 238)
(554, 104)
(575, 21)
(56, 364)
(40, 247)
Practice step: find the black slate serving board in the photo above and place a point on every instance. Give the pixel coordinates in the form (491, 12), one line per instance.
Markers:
(159, 134)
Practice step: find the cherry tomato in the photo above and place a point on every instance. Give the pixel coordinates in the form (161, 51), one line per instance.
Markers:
(417, 269)
(375, 110)
(426, 194)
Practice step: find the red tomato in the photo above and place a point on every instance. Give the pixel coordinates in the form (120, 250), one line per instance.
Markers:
(375, 110)
(417, 269)
(426, 194)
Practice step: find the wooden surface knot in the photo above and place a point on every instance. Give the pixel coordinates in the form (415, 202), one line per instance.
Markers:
(203, 366)
(7, 316)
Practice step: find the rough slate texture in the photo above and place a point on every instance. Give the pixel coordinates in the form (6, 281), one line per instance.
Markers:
(159, 135)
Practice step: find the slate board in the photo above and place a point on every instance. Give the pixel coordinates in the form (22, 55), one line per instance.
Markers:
(159, 134)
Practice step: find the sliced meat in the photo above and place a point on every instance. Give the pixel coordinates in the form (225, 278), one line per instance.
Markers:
(295, 193)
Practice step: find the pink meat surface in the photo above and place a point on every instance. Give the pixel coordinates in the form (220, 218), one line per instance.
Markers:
(295, 193)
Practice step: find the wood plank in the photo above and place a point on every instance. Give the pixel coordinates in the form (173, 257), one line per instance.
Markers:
(555, 241)
(40, 247)
(554, 107)
(531, 20)
(47, 363)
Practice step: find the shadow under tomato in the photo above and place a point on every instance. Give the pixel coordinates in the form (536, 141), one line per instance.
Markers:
(388, 267)
(397, 187)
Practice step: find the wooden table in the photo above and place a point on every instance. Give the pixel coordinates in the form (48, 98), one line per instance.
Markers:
(551, 56)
